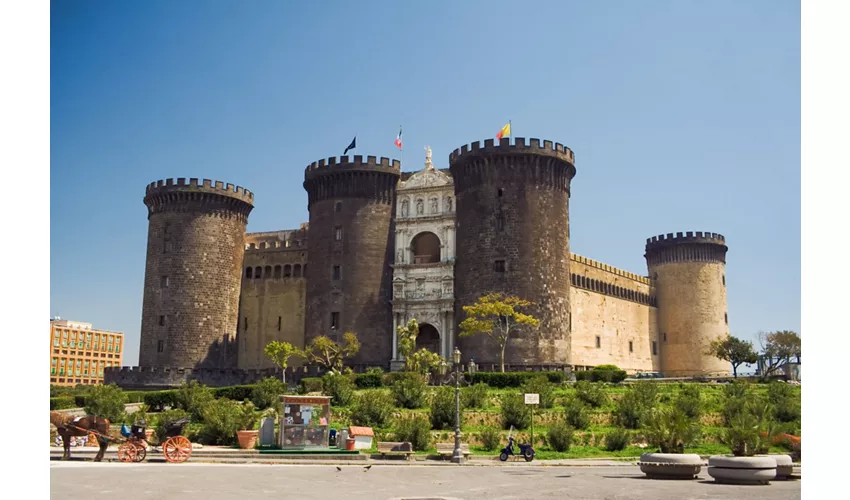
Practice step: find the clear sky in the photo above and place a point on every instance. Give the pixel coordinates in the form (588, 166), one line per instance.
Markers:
(683, 115)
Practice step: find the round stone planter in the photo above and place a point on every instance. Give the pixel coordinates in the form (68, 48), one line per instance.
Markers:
(670, 465)
(742, 470)
(784, 465)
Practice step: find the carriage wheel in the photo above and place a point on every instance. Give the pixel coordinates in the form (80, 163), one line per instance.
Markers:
(127, 452)
(141, 452)
(177, 449)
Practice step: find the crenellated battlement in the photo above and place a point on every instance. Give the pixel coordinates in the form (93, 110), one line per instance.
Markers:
(205, 186)
(519, 146)
(686, 247)
(355, 163)
(286, 239)
(607, 268)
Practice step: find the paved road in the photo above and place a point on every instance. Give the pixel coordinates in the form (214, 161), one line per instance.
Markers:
(88, 480)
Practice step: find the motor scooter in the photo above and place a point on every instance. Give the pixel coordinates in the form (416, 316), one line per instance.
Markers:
(525, 450)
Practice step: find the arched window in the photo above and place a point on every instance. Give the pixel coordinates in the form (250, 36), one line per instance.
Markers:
(267, 272)
(249, 272)
(277, 272)
(296, 270)
(262, 245)
(287, 271)
(258, 272)
(426, 248)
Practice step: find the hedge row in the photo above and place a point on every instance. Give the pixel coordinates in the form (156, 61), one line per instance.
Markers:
(501, 380)
(602, 373)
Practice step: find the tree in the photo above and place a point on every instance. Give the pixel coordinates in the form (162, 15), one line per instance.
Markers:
(279, 353)
(733, 350)
(778, 348)
(496, 316)
(407, 339)
(421, 361)
(324, 351)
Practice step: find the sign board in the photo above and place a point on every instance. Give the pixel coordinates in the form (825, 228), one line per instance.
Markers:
(532, 399)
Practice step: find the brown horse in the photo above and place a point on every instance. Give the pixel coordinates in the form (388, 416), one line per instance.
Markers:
(68, 426)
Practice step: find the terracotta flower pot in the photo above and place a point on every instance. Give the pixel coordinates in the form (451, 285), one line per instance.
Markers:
(247, 439)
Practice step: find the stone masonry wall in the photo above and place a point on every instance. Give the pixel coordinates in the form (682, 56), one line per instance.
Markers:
(271, 307)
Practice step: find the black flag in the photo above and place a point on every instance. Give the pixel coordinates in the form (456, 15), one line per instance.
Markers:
(351, 146)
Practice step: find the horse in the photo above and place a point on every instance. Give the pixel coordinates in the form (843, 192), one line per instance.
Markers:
(68, 426)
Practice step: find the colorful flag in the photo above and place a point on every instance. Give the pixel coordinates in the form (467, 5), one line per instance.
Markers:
(351, 146)
(398, 139)
(505, 132)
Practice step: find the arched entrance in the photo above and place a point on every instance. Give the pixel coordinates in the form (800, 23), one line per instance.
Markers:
(426, 248)
(429, 338)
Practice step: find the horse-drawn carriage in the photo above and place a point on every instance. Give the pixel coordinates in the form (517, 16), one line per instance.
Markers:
(175, 447)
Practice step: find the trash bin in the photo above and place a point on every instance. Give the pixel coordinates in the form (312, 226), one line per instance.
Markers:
(341, 437)
(349, 444)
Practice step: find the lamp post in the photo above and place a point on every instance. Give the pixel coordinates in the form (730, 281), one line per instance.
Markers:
(457, 457)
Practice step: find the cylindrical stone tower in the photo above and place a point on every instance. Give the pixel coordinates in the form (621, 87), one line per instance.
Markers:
(689, 273)
(513, 236)
(193, 272)
(348, 262)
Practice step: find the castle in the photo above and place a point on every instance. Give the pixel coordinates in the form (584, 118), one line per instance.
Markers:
(386, 246)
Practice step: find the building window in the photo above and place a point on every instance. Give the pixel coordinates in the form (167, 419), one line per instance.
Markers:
(296, 270)
(338, 207)
(163, 282)
(287, 271)
(726, 317)
(337, 273)
(249, 272)
(56, 342)
(166, 246)
(246, 323)
(500, 223)
(499, 266)
(665, 337)
(334, 320)
(598, 341)
(338, 233)
(654, 348)
(160, 345)
(631, 346)
(724, 280)
(278, 323)
(161, 320)
(277, 271)
(499, 193)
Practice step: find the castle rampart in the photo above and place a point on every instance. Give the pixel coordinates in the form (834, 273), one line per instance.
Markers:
(513, 237)
(193, 271)
(688, 271)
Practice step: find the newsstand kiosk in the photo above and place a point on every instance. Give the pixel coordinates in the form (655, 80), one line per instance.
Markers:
(305, 422)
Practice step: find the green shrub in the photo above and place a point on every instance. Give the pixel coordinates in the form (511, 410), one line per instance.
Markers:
(591, 393)
(515, 412)
(194, 397)
(582, 376)
(235, 392)
(373, 408)
(443, 408)
(670, 429)
(62, 403)
(577, 414)
(689, 401)
(474, 396)
(159, 400)
(607, 373)
(617, 439)
(135, 396)
(414, 429)
(785, 401)
(222, 418)
(735, 398)
(80, 401)
(369, 380)
(491, 439)
(540, 385)
(560, 436)
(106, 401)
(513, 379)
(310, 384)
(635, 403)
(165, 418)
(267, 393)
(339, 387)
(409, 391)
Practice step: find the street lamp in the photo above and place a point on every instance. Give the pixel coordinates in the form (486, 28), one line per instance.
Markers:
(457, 457)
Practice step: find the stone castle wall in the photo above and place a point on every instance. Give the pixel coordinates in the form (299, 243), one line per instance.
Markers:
(618, 307)
(273, 299)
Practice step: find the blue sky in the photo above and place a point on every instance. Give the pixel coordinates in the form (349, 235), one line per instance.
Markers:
(683, 115)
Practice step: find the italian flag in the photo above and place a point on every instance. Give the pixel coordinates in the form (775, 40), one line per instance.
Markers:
(398, 139)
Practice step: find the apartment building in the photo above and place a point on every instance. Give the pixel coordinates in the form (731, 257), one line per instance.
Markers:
(79, 353)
